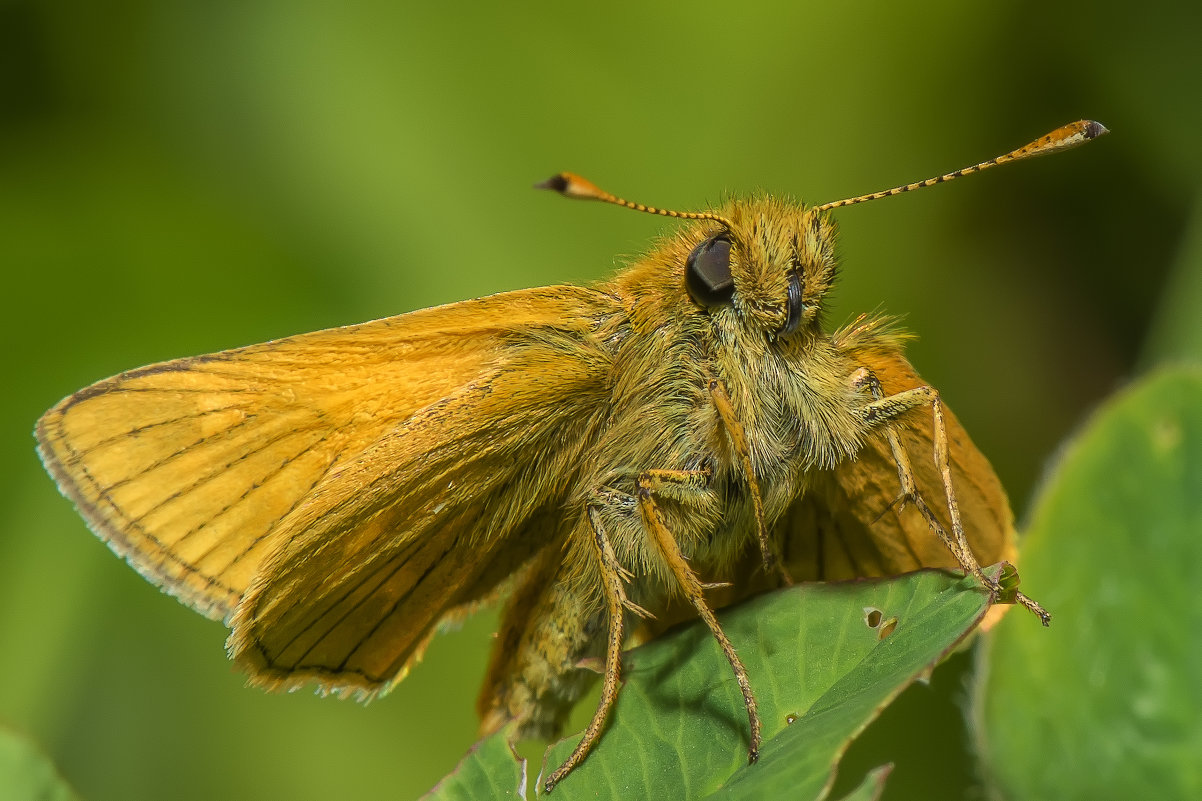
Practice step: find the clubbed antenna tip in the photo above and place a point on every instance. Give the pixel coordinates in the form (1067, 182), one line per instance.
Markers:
(1063, 138)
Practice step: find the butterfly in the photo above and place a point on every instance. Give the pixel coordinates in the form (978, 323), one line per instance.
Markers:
(682, 435)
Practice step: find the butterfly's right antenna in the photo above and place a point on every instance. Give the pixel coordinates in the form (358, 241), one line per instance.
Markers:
(572, 185)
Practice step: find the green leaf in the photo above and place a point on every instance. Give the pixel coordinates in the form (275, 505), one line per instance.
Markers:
(1110, 705)
(490, 770)
(26, 774)
(679, 729)
(873, 785)
(1175, 333)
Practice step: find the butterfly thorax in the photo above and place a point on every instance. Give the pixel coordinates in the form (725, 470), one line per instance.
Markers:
(791, 390)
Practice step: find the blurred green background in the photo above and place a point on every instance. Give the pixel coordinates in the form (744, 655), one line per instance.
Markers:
(178, 178)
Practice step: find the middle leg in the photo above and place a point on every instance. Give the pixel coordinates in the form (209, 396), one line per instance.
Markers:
(694, 589)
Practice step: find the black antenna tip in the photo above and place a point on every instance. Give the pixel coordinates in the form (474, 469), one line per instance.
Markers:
(556, 183)
(1094, 129)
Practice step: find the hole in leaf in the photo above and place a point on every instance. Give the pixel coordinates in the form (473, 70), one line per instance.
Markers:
(873, 617)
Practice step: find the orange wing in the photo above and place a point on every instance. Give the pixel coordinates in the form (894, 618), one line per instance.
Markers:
(301, 487)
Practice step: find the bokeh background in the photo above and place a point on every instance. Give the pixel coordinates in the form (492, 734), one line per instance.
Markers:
(178, 178)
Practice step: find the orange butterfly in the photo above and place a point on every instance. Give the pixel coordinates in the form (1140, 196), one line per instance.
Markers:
(594, 454)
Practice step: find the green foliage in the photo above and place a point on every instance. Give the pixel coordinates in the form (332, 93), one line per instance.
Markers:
(26, 774)
(679, 729)
(1175, 334)
(1109, 707)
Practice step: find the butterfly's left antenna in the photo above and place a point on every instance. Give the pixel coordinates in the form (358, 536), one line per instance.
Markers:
(1071, 135)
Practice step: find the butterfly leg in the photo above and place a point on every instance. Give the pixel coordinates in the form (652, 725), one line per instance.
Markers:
(648, 483)
(738, 438)
(886, 409)
(613, 579)
(882, 410)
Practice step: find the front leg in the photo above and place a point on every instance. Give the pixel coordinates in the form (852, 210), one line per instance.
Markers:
(742, 448)
(882, 411)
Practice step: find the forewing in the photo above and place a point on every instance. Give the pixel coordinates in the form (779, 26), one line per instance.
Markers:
(847, 526)
(427, 520)
(189, 468)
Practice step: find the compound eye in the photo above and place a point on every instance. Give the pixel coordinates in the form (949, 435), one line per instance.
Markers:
(707, 272)
(794, 304)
